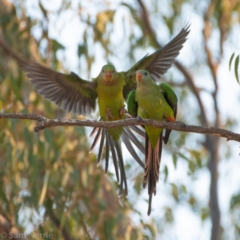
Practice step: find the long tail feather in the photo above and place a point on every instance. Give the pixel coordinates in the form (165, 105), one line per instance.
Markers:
(114, 156)
(100, 151)
(93, 131)
(133, 138)
(166, 136)
(97, 137)
(138, 130)
(129, 139)
(131, 149)
(121, 166)
(116, 150)
(152, 167)
(107, 152)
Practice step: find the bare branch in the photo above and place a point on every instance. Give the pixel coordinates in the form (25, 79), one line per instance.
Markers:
(213, 65)
(211, 143)
(178, 126)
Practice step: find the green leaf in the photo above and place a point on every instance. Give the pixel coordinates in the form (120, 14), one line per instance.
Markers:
(175, 160)
(204, 214)
(235, 201)
(236, 68)
(184, 157)
(168, 215)
(151, 229)
(192, 166)
(174, 191)
(183, 188)
(57, 46)
(192, 201)
(166, 173)
(230, 61)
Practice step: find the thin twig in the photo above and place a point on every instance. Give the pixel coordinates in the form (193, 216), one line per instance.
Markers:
(178, 126)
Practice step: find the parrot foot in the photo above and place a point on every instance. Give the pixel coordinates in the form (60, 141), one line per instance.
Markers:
(127, 115)
(122, 111)
(181, 123)
(171, 119)
(109, 115)
(139, 118)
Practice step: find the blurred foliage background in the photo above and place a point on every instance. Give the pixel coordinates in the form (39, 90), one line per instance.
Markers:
(49, 183)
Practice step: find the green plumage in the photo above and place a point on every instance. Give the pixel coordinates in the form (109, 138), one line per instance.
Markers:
(172, 100)
(109, 88)
(110, 98)
(152, 102)
(132, 105)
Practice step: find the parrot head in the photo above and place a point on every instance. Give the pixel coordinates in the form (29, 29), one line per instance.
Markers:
(108, 72)
(143, 77)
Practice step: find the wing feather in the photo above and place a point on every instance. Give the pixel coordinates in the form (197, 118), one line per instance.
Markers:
(68, 91)
(158, 62)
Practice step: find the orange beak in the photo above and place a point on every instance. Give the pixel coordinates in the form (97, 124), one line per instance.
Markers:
(139, 77)
(108, 75)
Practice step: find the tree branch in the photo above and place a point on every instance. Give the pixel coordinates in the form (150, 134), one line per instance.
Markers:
(212, 144)
(178, 126)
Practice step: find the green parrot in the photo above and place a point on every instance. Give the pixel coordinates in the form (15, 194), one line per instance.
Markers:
(110, 88)
(158, 102)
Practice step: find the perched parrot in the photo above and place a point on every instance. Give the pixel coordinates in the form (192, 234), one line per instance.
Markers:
(73, 94)
(158, 102)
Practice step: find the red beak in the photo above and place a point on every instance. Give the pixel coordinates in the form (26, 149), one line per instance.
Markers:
(108, 75)
(139, 77)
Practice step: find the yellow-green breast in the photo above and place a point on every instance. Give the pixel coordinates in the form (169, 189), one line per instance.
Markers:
(110, 96)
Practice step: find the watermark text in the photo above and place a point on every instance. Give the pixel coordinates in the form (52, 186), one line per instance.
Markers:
(33, 235)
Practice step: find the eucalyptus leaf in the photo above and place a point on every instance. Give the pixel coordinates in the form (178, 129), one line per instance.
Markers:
(230, 61)
(236, 68)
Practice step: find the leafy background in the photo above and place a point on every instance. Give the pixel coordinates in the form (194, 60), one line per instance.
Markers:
(50, 183)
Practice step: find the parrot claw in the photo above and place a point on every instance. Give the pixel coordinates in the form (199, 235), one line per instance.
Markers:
(109, 115)
(122, 111)
(139, 118)
(127, 115)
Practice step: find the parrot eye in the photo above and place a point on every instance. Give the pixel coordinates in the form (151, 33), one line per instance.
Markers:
(145, 73)
(102, 71)
(113, 71)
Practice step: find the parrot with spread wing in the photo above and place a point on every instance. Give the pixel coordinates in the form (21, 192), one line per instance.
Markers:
(158, 102)
(110, 88)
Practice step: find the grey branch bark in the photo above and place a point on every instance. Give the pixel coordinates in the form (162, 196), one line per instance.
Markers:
(43, 122)
(213, 143)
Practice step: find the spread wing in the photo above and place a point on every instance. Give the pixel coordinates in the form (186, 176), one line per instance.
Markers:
(68, 91)
(158, 62)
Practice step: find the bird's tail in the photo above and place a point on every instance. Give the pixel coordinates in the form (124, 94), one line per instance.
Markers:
(114, 147)
(166, 136)
(152, 166)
